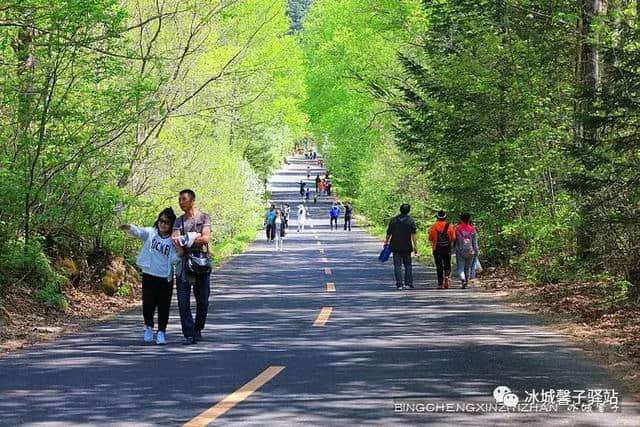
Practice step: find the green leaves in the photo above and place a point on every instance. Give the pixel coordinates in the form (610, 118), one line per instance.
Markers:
(105, 102)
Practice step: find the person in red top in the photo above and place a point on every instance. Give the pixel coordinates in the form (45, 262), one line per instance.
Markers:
(442, 236)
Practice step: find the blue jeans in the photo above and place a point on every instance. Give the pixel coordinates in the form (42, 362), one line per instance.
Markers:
(201, 290)
(465, 267)
(401, 259)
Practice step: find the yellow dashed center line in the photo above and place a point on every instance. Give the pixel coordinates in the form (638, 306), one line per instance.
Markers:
(327, 271)
(323, 316)
(234, 398)
(331, 287)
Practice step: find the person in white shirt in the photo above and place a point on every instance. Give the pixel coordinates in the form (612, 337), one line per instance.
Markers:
(302, 217)
(157, 259)
(279, 231)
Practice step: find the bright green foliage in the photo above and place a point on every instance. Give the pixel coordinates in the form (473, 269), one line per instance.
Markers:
(485, 107)
(106, 102)
(350, 49)
(489, 114)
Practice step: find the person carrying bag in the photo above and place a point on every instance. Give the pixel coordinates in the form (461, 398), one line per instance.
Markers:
(192, 232)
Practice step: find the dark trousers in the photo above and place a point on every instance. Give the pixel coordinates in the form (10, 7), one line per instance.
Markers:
(271, 232)
(401, 259)
(201, 289)
(347, 220)
(334, 221)
(156, 292)
(443, 264)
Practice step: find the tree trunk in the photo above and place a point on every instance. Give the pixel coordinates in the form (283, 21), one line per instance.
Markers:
(22, 45)
(587, 134)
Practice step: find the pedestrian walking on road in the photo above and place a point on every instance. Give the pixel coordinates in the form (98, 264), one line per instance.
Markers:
(348, 211)
(328, 185)
(192, 232)
(308, 172)
(402, 236)
(269, 220)
(317, 182)
(302, 217)
(286, 213)
(302, 184)
(334, 214)
(279, 231)
(157, 260)
(442, 237)
(307, 194)
(466, 248)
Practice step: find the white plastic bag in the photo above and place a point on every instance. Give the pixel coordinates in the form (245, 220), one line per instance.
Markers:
(478, 266)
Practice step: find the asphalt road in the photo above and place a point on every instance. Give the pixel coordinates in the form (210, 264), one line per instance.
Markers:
(375, 356)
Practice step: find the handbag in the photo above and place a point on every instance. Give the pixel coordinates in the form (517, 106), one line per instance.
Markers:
(386, 252)
(197, 263)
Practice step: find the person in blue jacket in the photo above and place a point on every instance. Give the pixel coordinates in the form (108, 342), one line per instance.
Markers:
(334, 214)
(156, 259)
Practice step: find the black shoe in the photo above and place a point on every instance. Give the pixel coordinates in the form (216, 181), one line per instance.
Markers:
(399, 287)
(198, 336)
(188, 341)
(410, 286)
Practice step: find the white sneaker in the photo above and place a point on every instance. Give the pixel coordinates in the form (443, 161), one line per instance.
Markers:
(160, 338)
(148, 334)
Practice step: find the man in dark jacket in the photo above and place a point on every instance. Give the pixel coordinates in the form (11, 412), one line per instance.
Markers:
(348, 211)
(403, 237)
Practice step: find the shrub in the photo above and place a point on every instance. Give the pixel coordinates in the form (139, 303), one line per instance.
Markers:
(29, 263)
(124, 290)
(51, 296)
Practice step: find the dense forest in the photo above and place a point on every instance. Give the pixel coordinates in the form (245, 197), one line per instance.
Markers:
(110, 104)
(526, 114)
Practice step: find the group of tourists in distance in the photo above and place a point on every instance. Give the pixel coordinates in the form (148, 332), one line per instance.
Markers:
(276, 219)
(177, 249)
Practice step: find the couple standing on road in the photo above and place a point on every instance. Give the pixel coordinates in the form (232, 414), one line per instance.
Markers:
(276, 221)
(403, 239)
(334, 214)
(171, 247)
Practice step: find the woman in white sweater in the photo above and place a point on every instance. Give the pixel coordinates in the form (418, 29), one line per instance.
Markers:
(156, 259)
